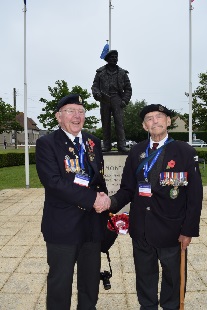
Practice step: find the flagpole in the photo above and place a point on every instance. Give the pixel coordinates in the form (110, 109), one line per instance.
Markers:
(190, 72)
(110, 7)
(25, 106)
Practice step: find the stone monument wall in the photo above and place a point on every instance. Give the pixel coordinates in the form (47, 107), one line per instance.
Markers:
(113, 168)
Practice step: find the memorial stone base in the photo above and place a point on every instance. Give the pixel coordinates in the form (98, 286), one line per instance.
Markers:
(113, 167)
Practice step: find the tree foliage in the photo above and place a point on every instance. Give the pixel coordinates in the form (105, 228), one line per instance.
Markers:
(133, 123)
(199, 105)
(7, 118)
(60, 90)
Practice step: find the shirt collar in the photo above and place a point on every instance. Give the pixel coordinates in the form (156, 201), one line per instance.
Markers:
(161, 143)
(72, 137)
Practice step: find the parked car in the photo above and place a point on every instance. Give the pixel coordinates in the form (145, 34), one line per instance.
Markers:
(114, 144)
(130, 143)
(198, 143)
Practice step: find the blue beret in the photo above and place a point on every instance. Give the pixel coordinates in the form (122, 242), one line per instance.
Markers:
(111, 52)
(69, 99)
(153, 108)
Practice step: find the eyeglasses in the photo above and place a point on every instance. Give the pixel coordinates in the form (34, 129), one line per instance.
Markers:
(73, 111)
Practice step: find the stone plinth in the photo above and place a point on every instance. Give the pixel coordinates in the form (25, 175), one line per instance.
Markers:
(113, 168)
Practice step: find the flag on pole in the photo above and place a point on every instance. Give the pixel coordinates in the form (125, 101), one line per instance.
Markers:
(105, 51)
(25, 1)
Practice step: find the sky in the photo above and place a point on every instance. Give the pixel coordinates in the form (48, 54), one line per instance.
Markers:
(65, 39)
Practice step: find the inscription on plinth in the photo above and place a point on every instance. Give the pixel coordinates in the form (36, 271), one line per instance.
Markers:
(113, 169)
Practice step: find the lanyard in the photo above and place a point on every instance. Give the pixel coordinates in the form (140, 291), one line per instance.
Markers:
(147, 167)
(81, 152)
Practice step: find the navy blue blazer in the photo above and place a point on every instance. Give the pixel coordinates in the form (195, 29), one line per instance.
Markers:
(68, 214)
(159, 218)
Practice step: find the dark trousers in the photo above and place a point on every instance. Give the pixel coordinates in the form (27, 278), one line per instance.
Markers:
(146, 260)
(61, 260)
(113, 108)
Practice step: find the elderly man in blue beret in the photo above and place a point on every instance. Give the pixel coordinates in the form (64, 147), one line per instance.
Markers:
(112, 88)
(70, 166)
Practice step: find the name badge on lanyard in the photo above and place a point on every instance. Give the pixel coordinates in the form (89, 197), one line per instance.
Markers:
(81, 179)
(144, 189)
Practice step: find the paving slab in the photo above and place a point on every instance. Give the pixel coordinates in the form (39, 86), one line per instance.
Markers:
(23, 265)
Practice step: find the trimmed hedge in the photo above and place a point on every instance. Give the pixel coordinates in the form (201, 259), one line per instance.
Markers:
(18, 159)
(15, 159)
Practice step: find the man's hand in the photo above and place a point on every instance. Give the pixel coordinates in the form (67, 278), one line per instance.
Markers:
(102, 202)
(97, 96)
(185, 241)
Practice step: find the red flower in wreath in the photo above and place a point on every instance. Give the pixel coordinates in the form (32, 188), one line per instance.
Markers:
(170, 164)
(119, 223)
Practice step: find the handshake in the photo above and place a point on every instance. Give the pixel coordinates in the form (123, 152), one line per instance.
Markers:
(102, 202)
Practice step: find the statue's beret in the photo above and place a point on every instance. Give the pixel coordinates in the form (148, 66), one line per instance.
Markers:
(111, 52)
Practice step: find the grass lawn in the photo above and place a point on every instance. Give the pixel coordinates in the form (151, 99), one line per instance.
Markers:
(11, 149)
(14, 177)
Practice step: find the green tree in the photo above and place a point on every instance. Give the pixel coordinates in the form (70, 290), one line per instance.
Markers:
(7, 118)
(99, 133)
(60, 90)
(133, 123)
(199, 106)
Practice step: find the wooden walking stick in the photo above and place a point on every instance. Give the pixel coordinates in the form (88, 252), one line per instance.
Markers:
(182, 278)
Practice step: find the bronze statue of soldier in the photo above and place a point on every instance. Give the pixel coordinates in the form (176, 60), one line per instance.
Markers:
(112, 88)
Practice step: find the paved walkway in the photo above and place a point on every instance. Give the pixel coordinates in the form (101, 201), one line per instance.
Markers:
(23, 266)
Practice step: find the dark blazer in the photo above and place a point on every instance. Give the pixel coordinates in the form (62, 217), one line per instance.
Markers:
(161, 219)
(68, 215)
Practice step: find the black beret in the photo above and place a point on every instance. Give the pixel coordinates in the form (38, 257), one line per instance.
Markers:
(69, 99)
(153, 108)
(111, 52)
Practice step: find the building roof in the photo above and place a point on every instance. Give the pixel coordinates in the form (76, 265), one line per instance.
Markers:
(30, 122)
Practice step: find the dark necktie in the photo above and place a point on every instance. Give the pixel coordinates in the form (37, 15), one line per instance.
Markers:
(77, 143)
(155, 145)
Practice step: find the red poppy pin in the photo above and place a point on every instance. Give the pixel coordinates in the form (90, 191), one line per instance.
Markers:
(170, 164)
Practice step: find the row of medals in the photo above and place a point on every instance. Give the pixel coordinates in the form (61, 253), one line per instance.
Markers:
(175, 183)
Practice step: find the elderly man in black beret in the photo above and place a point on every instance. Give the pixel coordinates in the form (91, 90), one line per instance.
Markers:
(112, 88)
(161, 179)
(70, 166)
